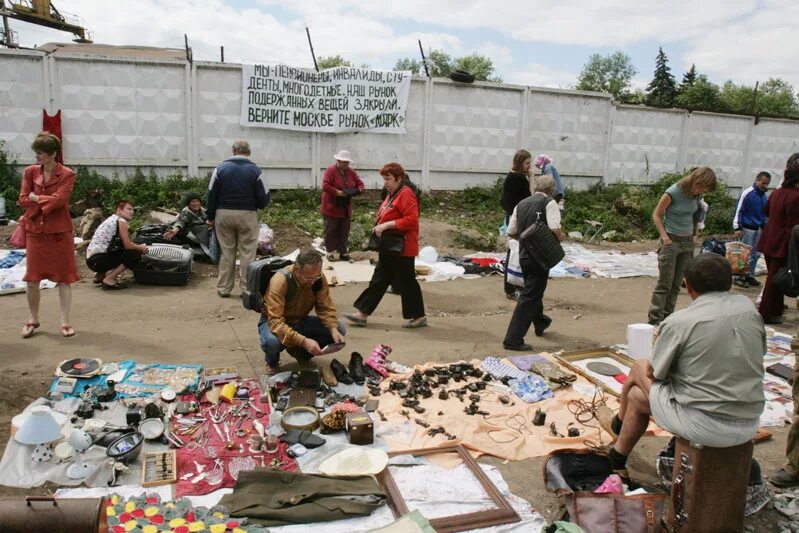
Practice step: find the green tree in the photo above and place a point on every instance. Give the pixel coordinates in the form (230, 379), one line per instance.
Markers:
(481, 66)
(689, 78)
(408, 63)
(440, 64)
(611, 73)
(775, 98)
(325, 62)
(700, 95)
(662, 89)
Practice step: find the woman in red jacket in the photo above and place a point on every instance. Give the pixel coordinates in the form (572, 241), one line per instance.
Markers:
(782, 212)
(50, 248)
(399, 213)
(339, 184)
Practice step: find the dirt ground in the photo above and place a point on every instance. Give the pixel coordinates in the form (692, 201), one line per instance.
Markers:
(467, 318)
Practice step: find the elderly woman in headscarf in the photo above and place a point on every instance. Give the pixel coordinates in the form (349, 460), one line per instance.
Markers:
(191, 225)
(544, 163)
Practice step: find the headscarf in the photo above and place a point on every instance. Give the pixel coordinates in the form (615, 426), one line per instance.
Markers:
(542, 160)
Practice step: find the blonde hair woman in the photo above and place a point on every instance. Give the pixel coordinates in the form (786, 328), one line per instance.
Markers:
(676, 218)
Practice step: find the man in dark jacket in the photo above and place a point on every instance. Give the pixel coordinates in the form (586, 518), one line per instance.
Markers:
(540, 206)
(236, 191)
(748, 222)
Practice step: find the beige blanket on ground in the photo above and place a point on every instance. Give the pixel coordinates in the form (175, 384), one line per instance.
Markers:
(508, 431)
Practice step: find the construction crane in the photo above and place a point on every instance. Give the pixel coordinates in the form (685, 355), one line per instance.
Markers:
(43, 13)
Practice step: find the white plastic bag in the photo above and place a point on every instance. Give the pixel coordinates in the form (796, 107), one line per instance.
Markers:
(514, 268)
(265, 238)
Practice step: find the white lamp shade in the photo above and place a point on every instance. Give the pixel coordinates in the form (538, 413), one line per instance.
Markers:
(38, 428)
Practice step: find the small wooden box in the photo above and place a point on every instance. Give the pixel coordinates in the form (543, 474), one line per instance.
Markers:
(360, 428)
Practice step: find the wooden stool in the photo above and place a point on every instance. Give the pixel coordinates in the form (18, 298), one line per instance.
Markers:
(708, 492)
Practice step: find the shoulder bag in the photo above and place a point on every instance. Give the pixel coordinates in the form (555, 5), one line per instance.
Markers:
(542, 245)
(115, 244)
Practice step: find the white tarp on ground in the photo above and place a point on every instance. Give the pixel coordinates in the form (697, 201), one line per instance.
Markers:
(610, 263)
(11, 277)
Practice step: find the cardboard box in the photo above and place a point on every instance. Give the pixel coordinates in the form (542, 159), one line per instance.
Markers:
(360, 428)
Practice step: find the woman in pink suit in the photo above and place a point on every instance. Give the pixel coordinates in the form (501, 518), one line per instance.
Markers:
(50, 249)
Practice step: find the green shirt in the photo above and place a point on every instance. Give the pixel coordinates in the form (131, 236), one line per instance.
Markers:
(712, 353)
(681, 213)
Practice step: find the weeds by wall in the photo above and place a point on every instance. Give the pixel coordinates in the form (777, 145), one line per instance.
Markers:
(624, 209)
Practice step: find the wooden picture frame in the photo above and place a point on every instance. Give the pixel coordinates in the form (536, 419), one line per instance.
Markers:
(503, 514)
(568, 359)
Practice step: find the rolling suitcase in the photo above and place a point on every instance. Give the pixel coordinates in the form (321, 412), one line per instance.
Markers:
(708, 492)
(164, 264)
(258, 275)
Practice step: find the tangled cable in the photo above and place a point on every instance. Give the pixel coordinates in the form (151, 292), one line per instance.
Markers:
(585, 413)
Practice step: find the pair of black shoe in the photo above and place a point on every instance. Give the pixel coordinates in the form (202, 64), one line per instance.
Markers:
(356, 371)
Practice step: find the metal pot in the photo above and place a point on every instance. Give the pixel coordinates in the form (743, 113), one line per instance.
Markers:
(126, 448)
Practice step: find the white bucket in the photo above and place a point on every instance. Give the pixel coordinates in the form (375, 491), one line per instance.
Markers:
(639, 340)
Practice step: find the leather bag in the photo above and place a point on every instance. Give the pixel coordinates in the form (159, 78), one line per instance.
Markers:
(388, 243)
(542, 245)
(575, 474)
(19, 237)
(785, 278)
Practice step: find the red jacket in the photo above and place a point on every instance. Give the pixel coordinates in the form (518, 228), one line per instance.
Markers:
(403, 208)
(51, 214)
(332, 181)
(782, 210)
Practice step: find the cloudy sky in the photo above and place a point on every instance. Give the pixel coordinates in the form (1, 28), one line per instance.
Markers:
(532, 42)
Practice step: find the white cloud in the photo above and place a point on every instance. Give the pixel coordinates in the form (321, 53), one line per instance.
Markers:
(539, 75)
(743, 40)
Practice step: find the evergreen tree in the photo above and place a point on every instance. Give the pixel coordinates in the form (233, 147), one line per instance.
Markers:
(689, 78)
(662, 89)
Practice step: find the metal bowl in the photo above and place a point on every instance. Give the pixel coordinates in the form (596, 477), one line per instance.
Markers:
(126, 448)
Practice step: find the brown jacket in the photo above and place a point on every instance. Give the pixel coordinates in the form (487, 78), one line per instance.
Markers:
(282, 314)
(51, 214)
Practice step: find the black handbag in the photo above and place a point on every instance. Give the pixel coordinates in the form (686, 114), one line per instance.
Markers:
(115, 244)
(785, 278)
(542, 245)
(387, 243)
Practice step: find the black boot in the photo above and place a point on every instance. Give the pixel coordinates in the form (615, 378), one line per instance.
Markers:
(356, 368)
(340, 372)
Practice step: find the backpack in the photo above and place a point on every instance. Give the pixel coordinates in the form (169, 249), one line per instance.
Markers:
(259, 274)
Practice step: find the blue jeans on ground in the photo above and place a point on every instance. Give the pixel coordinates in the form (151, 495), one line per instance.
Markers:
(750, 237)
(310, 326)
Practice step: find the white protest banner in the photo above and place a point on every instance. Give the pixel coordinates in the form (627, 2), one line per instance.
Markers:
(335, 100)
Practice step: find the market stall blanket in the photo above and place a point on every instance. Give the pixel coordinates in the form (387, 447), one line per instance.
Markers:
(12, 270)
(135, 380)
(18, 470)
(220, 451)
(610, 263)
(432, 490)
(506, 431)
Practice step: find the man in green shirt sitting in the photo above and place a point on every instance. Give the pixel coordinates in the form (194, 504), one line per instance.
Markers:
(704, 382)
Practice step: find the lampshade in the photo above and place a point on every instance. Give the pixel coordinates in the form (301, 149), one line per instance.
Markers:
(80, 440)
(38, 428)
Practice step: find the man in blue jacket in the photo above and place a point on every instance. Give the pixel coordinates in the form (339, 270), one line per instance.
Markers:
(748, 222)
(236, 191)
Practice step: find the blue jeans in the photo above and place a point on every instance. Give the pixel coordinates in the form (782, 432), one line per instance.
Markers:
(750, 237)
(310, 326)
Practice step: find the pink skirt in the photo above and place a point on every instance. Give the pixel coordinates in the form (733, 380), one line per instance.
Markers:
(50, 256)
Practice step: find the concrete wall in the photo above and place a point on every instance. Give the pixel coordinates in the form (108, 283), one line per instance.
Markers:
(118, 114)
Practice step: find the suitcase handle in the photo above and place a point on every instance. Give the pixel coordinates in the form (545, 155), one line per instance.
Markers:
(30, 499)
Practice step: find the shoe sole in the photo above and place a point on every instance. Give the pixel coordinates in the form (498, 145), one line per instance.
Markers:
(410, 325)
(361, 323)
